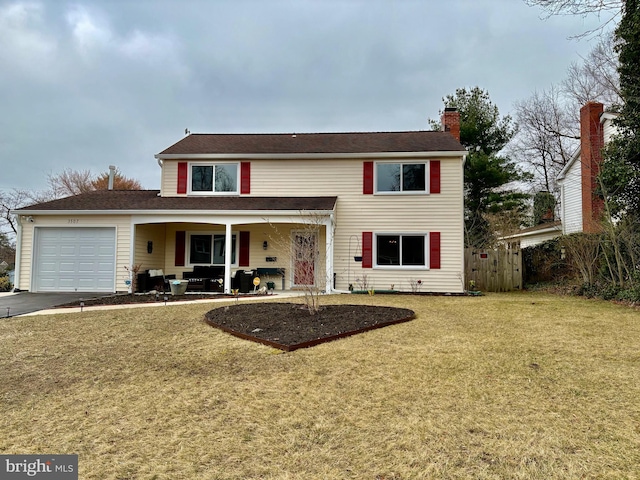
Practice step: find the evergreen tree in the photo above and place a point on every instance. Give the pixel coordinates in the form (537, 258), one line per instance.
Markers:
(620, 172)
(488, 176)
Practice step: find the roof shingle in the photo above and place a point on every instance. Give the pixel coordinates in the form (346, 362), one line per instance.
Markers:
(304, 143)
(136, 200)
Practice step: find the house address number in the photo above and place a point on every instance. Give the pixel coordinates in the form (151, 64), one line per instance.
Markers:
(73, 220)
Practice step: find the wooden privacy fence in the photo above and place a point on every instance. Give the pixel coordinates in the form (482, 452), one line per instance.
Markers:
(498, 270)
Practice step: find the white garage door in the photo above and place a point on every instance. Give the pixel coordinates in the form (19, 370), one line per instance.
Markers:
(74, 260)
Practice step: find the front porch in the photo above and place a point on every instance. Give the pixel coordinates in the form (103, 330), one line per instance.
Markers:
(221, 255)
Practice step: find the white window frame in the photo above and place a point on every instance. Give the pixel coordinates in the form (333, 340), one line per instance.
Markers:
(427, 174)
(190, 191)
(401, 267)
(212, 233)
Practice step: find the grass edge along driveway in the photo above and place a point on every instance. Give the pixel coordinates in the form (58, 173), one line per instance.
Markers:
(520, 385)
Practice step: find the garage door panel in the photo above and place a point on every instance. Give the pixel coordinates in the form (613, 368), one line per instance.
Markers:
(68, 250)
(74, 259)
(105, 267)
(85, 267)
(49, 250)
(88, 250)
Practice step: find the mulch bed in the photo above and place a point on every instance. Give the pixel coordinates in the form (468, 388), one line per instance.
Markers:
(128, 299)
(289, 326)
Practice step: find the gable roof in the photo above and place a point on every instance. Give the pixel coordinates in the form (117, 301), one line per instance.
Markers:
(125, 201)
(314, 143)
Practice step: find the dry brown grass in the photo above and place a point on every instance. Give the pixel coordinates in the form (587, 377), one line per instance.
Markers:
(524, 386)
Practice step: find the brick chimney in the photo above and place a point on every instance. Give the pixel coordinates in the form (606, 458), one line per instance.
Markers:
(591, 144)
(450, 122)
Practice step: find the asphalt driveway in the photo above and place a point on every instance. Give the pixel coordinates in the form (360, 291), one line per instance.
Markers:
(12, 304)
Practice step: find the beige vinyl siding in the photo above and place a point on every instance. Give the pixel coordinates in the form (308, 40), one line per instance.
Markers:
(356, 212)
(169, 179)
(155, 233)
(122, 223)
(26, 257)
(572, 199)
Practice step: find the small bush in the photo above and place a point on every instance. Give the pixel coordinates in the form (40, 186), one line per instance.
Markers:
(5, 284)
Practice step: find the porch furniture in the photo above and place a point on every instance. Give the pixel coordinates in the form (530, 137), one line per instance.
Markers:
(206, 278)
(242, 281)
(153, 280)
(271, 272)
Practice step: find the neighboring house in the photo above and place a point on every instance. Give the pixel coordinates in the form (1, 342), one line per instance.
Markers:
(580, 206)
(395, 199)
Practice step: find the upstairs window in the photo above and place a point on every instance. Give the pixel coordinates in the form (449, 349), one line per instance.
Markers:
(401, 177)
(214, 178)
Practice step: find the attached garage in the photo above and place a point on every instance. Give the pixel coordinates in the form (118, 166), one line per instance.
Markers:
(71, 259)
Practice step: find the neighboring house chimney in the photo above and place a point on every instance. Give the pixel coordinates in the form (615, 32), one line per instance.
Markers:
(112, 174)
(450, 121)
(591, 144)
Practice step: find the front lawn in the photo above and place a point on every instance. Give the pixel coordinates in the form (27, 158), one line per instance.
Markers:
(518, 385)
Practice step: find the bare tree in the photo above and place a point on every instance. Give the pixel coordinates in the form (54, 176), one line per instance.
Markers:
(70, 182)
(612, 8)
(596, 78)
(9, 201)
(302, 248)
(583, 250)
(576, 7)
(547, 137)
(75, 182)
(548, 121)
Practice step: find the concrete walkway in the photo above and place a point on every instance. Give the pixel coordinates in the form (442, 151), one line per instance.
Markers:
(32, 304)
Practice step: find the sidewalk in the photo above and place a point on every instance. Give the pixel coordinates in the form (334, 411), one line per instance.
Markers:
(279, 295)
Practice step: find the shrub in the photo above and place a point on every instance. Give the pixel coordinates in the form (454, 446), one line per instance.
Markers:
(5, 284)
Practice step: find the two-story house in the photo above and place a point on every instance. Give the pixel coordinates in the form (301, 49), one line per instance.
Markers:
(385, 207)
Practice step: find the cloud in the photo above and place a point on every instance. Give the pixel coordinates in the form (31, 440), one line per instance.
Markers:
(87, 31)
(24, 45)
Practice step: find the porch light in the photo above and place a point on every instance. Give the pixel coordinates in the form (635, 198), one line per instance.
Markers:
(265, 245)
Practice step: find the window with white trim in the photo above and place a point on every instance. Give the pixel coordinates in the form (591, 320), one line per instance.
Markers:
(401, 250)
(214, 178)
(209, 249)
(401, 177)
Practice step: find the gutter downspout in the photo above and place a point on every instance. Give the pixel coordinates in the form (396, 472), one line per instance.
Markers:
(16, 279)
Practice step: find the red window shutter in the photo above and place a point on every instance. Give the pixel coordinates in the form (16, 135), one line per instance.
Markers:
(367, 178)
(245, 177)
(182, 177)
(243, 261)
(181, 241)
(434, 180)
(434, 250)
(367, 250)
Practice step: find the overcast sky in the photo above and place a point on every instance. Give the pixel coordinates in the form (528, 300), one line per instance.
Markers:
(86, 84)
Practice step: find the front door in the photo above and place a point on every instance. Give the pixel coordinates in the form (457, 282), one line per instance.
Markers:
(305, 254)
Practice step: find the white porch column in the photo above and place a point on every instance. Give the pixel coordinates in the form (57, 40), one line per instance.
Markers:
(329, 230)
(227, 259)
